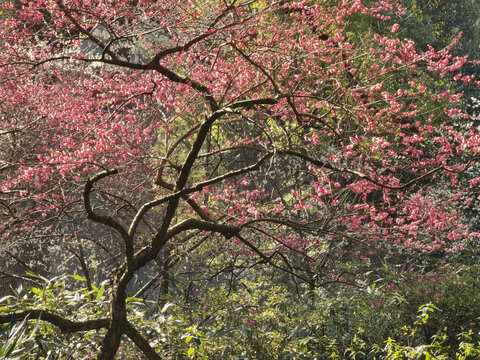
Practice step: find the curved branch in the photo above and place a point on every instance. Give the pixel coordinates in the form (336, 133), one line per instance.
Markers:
(65, 325)
(358, 173)
(141, 342)
(246, 104)
(193, 204)
(172, 261)
(81, 29)
(251, 61)
(193, 189)
(226, 230)
(179, 48)
(173, 76)
(298, 226)
(269, 260)
(148, 253)
(104, 219)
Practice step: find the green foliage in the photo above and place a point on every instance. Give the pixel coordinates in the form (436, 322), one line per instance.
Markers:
(38, 339)
(16, 340)
(266, 318)
(261, 320)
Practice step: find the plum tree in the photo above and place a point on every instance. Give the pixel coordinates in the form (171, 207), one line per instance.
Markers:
(267, 127)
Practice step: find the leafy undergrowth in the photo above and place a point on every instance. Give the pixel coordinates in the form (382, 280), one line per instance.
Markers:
(258, 320)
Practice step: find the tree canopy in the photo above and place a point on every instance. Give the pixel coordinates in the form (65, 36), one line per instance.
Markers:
(143, 139)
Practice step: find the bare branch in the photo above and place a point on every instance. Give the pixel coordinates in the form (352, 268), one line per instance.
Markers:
(65, 325)
(193, 189)
(104, 219)
(358, 173)
(141, 342)
(267, 259)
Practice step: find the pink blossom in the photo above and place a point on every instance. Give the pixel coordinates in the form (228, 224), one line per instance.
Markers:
(394, 28)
